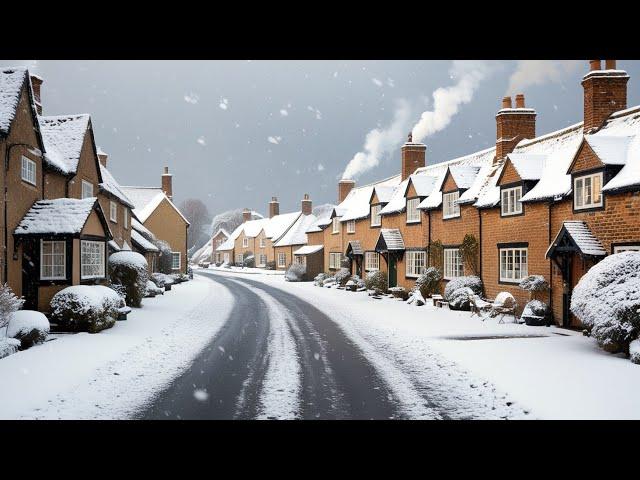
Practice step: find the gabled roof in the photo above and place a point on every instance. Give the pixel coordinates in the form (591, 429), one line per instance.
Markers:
(11, 82)
(390, 239)
(221, 230)
(110, 185)
(229, 243)
(384, 192)
(577, 233)
(296, 234)
(423, 185)
(136, 225)
(308, 249)
(356, 205)
(528, 165)
(252, 228)
(278, 225)
(60, 216)
(146, 200)
(324, 215)
(63, 137)
(354, 247)
(464, 175)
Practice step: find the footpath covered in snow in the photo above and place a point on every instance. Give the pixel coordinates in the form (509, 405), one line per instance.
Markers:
(109, 375)
(549, 372)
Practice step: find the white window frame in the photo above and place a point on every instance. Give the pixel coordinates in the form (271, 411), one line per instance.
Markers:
(125, 218)
(450, 209)
(371, 261)
(510, 203)
(113, 212)
(262, 259)
(175, 255)
(335, 225)
(300, 259)
(28, 171)
(453, 267)
(262, 242)
(351, 226)
(245, 242)
(282, 259)
(85, 186)
(413, 214)
(626, 248)
(376, 218)
(583, 197)
(416, 262)
(333, 263)
(507, 264)
(52, 256)
(100, 252)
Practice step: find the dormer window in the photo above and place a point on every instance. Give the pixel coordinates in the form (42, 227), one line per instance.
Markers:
(510, 201)
(413, 214)
(450, 209)
(336, 225)
(587, 191)
(376, 219)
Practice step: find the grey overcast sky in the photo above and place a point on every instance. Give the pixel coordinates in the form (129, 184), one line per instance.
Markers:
(235, 133)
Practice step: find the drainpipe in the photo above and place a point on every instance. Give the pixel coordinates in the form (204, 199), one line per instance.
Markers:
(550, 263)
(429, 235)
(480, 242)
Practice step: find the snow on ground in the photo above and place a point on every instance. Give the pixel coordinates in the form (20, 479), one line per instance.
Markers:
(109, 374)
(259, 271)
(548, 372)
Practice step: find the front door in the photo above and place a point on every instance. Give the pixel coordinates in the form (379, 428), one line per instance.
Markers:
(30, 275)
(393, 271)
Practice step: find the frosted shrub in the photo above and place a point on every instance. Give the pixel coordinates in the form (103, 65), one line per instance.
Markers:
(165, 257)
(86, 308)
(158, 279)
(534, 283)
(8, 346)
(317, 281)
(634, 352)
(428, 283)
(342, 276)
(399, 292)
(249, 261)
(329, 281)
(459, 300)
(271, 265)
(29, 327)
(354, 283)
(536, 313)
(607, 301)
(377, 281)
(129, 269)
(295, 273)
(152, 289)
(9, 304)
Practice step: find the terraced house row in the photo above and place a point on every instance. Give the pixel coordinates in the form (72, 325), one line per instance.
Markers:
(63, 212)
(550, 205)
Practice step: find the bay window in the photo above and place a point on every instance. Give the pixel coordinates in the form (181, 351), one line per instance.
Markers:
(53, 260)
(91, 259)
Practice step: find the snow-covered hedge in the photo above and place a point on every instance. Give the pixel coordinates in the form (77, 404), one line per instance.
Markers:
(534, 283)
(399, 292)
(317, 281)
(8, 346)
(459, 299)
(328, 282)
(86, 308)
(165, 257)
(295, 273)
(377, 281)
(355, 284)
(9, 304)
(152, 289)
(342, 276)
(607, 301)
(428, 282)
(457, 291)
(129, 269)
(161, 279)
(271, 265)
(536, 313)
(29, 327)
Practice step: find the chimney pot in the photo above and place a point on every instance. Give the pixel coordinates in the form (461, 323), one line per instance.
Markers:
(610, 64)
(506, 102)
(513, 126)
(274, 207)
(306, 205)
(520, 100)
(413, 157)
(344, 187)
(246, 215)
(604, 94)
(167, 180)
(594, 65)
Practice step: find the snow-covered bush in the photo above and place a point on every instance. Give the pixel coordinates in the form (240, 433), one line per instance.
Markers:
(342, 276)
(9, 304)
(317, 281)
(8, 346)
(29, 327)
(129, 269)
(295, 273)
(607, 301)
(165, 257)
(329, 281)
(634, 351)
(153, 290)
(536, 285)
(161, 280)
(249, 261)
(536, 313)
(86, 307)
(377, 281)
(460, 300)
(271, 265)
(416, 298)
(428, 282)
(399, 292)
(355, 284)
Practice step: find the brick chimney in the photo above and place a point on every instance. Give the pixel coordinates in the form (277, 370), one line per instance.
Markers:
(274, 207)
(344, 187)
(605, 92)
(306, 205)
(513, 124)
(167, 186)
(246, 215)
(36, 83)
(413, 156)
(103, 161)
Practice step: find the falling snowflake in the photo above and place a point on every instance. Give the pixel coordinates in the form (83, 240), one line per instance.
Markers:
(320, 167)
(201, 141)
(275, 140)
(224, 104)
(284, 112)
(391, 82)
(192, 98)
(200, 395)
(317, 112)
(377, 82)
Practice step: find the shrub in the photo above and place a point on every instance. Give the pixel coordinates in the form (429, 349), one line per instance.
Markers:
(428, 283)
(459, 289)
(327, 282)
(129, 269)
(317, 281)
(469, 250)
(159, 279)
(536, 285)
(86, 307)
(271, 265)
(8, 346)
(537, 313)
(165, 257)
(29, 327)
(295, 273)
(459, 299)
(9, 304)
(607, 301)
(634, 351)
(152, 289)
(342, 276)
(248, 261)
(399, 292)
(355, 284)
(376, 281)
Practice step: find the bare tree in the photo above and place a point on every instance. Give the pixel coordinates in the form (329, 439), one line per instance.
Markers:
(199, 217)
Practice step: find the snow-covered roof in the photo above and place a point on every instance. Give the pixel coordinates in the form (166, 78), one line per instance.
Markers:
(611, 149)
(355, 246)
(464, 175)
(229, 243)
(63, 137)
(221, 231)
(296, 234)
(488, 194)
(322, 220)
(252, 228)
(308, 249)
(136, 225)
(582, 236)
(114, 245)
(63, 216)
(142, 242)
(384, 192)
(11, 81)
(110, 184)
(390, 239)
(277, 225)
(423, 185)
(356, 205)
(146, 200)
(528, 165)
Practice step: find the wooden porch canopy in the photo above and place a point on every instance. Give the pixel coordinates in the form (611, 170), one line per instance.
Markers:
(390, 240)
(354, 248)
(575, 237)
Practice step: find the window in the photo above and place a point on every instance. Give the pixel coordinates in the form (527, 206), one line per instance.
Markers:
(262, 242)
(413, 214)
(300, 259)
(452, 263)
(91, 259)
(28, 170)
(416, 261)
(334, 260)
(510, 203)
(282, 259)
(175, 260)
(245, 242)
(87, 189)
(125, 218)
(450, 209)
(113, 212)
(351, 226)
(239, 259)
(53, 260)
(371, 261)
(262, 260)
(587, 191)
(626, 248)
(375, 215)
(513, 264)
(336, 225)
